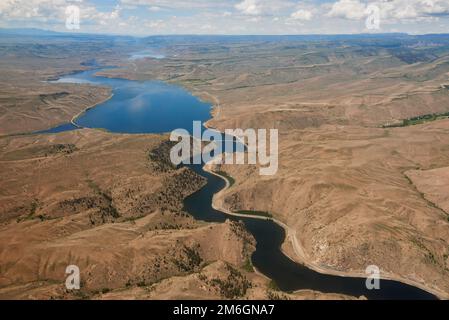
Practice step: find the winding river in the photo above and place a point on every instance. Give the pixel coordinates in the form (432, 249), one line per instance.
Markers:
(157, 107)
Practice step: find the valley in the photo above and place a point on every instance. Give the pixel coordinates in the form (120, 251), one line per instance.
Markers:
(351, 191)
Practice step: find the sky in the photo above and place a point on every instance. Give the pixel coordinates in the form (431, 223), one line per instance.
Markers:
(152, 17)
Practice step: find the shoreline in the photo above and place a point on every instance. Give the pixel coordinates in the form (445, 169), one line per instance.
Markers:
(291, 239)
(300, 256)
(72, 121)
(290, 234)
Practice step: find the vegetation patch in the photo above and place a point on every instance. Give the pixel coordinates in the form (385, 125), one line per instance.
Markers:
(273, 295)
(160, 157)
(189, 260)
(248, 266)
(273, 286)
(32, 213)
(106, 206)
(230, 179)
(234, 286)
(429, 256)
(418, 120)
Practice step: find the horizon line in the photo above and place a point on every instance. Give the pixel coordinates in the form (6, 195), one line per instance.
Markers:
(220, 34)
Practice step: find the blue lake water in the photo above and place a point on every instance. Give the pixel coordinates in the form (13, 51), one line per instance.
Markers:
(157, 107)
(140, 106)
(58, 129)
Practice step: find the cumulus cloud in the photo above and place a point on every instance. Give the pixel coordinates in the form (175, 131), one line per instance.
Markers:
(392, 10)
(229, 16)
(348, 9)
(250, 7)
(176, 4)
(265, 7)
(105, 18)
(302, 14)
(32, 9)
(154, 8)
(415, 9)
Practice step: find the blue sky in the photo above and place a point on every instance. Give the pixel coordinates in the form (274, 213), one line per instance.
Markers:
(148, 17)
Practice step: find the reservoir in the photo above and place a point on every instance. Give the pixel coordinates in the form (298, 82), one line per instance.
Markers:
(140, 106)
(157, 107)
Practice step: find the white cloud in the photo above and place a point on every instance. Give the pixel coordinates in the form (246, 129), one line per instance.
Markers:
(265, 7)
(104, 18)
(32, 9)
(249, 7)
(303, 15)
(38, 10)
(348, 9)
(229, 16)
(176, 4)
(155, 25)
(407, 12)
(437, 7)
(154, 8)
(415, 9)
(391, 10)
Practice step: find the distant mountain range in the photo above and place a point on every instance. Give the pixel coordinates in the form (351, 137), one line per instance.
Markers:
(34, 32)
(30, 32)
